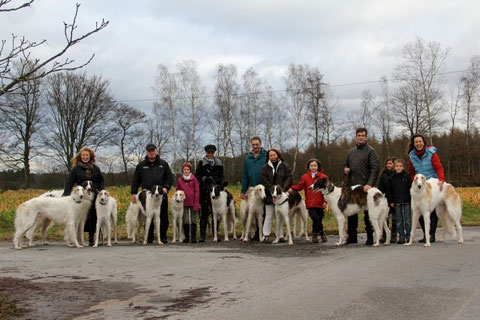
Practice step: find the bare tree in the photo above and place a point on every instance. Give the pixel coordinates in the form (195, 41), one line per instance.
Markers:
(470, 93)
(226, 99)
(81, 114)
(159, 129)
(189, 86)
(362, 117)
(329, 116)
(248, 120)
(295, 89)
(21, 51)
(166, 90)
(453, 106)
(315, 99)
(383, 116)
(422, 66)
(410, 113)
(126, 120)
(21, 115)
(273, 123)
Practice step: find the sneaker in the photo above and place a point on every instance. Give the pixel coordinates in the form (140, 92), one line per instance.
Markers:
(351, 241)
(401, 241)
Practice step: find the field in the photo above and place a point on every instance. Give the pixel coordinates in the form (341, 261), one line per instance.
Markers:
(9, 200)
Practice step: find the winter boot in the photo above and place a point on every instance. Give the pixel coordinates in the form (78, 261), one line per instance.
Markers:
(186, 232)
(193, 239)
(314, 237)
(323, 236)
(90, 239)
(203, 230)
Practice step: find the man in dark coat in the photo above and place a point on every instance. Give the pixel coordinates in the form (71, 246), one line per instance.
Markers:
(209, 170)
(361, 167)
(149, 172)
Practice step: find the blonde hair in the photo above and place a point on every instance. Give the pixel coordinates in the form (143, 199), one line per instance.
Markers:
(398, 160)
(78, 156)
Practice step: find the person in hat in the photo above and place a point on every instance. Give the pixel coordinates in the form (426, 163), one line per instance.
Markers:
(190, 186)
(209, 170)
(149, 172)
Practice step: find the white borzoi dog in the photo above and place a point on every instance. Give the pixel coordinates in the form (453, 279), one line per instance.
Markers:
(346, 202)
(288, 207)
(426, 196)
(176, 207)
(106, 207)
(147, 207)
(62, 211)
(252, 208)
(223, 206)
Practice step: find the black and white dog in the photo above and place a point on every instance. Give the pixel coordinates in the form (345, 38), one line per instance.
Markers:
(145, 209)
(286, 208)
(346, 202)
(223, 205)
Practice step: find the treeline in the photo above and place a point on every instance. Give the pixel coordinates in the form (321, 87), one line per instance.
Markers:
(461, 163)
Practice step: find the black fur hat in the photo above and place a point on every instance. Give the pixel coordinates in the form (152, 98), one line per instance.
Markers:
(210, 147)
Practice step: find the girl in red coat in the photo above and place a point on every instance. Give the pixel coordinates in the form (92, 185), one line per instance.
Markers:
(189, 184)
(314, 201)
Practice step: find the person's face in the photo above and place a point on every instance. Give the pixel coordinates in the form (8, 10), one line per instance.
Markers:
(152, 154)
(272, 156)
(418, 143)
(398, 167)
(210, 154)
(186, 171)
(313, 166)
(256, 145)
(85, 156)
(361, 137)
(389, 165)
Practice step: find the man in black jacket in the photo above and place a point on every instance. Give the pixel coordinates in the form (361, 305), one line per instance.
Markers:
(149, 172)
(209, 170)
(361, 167)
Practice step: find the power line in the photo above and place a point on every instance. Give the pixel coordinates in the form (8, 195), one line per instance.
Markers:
(285, 90)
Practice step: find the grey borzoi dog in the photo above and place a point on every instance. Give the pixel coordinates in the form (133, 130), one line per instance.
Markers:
(346, 202)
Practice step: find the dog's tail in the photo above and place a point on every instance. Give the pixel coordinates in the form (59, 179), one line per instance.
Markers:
(447, 221)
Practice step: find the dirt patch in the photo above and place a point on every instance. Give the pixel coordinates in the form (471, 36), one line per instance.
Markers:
(60, 299)
(188, 299)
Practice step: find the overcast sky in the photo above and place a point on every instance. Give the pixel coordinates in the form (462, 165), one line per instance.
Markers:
(349, 41)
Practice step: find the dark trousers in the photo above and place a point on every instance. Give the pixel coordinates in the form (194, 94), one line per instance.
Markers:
(163, 221)
(204, 214)
(317, 216)
(433, 224)
(91, 223)
(353, 225)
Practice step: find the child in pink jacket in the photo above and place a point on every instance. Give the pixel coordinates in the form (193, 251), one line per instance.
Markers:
(189, 184)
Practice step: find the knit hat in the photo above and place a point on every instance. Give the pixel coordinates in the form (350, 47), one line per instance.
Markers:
(210, 147)
(188, 165)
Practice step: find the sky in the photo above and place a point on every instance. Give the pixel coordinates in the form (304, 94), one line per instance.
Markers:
(349, 41)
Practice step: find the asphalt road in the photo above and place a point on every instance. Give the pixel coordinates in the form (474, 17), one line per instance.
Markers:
(246, 281)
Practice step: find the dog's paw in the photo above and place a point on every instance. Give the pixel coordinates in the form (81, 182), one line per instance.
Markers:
(460, 241)
(245, 240)
(276, 241)
(290, 243)
(18, 248)
(375, 244)
(338, 243)
(173, 241)
(160, 243)
(407, 244)
(109, 244)
(226, 240)
(95, 245)
(427, 245)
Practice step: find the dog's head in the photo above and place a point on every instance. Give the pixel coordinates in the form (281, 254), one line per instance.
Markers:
(419, 182)
(179, 196)
(77, 194)
(260, 191)
(88, 187)
(276, 192)
(103, 197)
(320, 185)
(215, 191)
(156, 191)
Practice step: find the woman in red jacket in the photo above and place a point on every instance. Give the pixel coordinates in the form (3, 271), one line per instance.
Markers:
(314, 201)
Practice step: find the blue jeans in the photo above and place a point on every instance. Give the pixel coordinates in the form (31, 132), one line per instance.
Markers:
(403, 219)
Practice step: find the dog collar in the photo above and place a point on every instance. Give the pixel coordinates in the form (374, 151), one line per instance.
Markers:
(286, 199)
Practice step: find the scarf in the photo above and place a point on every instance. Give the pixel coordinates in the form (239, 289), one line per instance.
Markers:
(187, 177)
(211, 162)
(88, 168)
